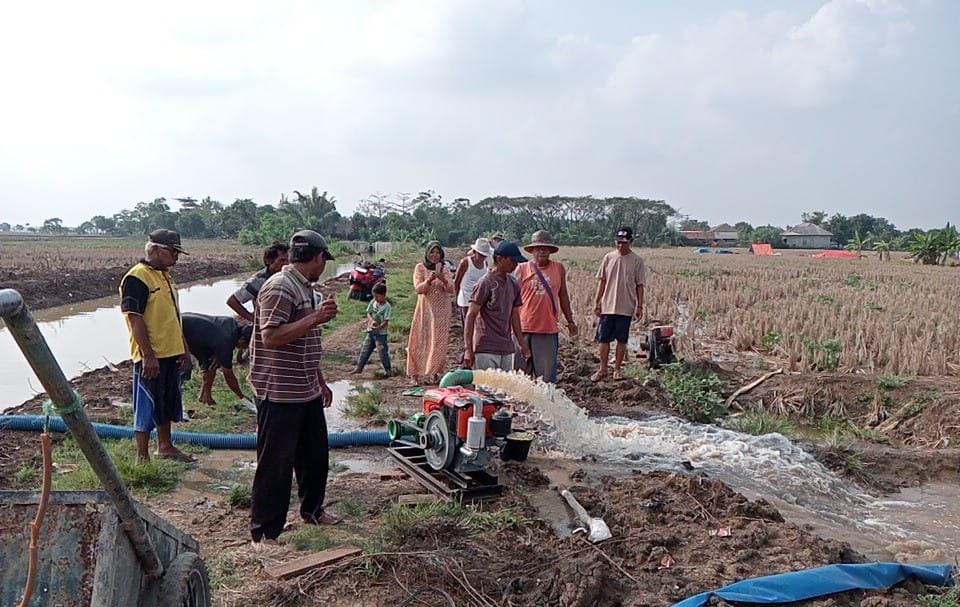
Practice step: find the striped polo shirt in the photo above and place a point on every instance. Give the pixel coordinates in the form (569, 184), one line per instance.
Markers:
(288, 373)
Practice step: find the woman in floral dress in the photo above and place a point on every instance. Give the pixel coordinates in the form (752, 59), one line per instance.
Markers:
(430, 327)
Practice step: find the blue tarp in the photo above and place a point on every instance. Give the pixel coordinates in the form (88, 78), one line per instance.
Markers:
(821, 581)
(703, 250)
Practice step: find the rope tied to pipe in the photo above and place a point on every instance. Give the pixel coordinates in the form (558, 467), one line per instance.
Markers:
(50, 407)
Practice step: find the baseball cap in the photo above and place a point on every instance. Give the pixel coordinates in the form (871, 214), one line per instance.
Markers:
(309, 238)
(167, 238)
(624, 235)
(510, 250)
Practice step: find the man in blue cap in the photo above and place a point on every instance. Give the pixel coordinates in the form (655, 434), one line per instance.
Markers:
(493, 318)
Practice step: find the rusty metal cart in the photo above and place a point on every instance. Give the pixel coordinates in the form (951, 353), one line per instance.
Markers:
(98, 548)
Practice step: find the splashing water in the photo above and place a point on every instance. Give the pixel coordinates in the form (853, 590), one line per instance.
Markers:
(768, 466)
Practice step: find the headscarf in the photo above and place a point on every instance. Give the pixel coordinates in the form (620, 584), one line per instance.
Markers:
(426, 254)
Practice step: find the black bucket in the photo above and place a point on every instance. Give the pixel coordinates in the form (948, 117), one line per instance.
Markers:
(517, 447)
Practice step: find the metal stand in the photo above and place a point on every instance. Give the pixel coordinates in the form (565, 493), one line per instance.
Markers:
(470, 487)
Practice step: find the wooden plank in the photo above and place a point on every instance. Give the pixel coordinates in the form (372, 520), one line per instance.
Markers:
(418, 498)
(392, 475)
(290, 569)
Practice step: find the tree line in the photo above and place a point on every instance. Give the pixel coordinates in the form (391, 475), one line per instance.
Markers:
(425, 215)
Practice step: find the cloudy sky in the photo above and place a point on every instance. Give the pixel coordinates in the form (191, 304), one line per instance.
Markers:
(753, 110)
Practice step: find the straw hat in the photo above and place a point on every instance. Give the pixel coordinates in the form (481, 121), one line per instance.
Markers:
(541, 238)
(483, 247)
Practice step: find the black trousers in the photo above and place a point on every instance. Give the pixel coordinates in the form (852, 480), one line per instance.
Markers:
(291, 438)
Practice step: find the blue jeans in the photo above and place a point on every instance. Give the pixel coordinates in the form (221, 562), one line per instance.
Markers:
(380, 341)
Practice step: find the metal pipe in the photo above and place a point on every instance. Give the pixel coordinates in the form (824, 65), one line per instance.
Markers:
(25, 332)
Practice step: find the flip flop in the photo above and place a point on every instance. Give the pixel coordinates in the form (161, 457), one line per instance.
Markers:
(598, 376)
(418, 391)
(617, 374)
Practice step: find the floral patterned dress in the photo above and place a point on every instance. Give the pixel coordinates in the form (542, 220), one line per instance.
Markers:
(430, 328)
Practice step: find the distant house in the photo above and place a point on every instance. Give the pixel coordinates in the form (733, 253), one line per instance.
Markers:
(722, 235)
(807, 236)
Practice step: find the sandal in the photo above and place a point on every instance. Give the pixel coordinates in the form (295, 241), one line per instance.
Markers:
(324, 519)
(598, 376)
(617, 375)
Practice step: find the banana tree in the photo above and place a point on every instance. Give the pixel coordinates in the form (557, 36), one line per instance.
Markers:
(857, 243)
(883, 247)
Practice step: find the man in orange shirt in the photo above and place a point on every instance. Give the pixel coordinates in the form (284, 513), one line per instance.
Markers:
(543, 289)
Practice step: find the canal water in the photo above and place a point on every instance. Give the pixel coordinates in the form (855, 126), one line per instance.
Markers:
(85, 335)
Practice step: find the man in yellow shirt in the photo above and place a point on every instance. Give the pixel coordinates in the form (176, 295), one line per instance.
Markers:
(149, 302)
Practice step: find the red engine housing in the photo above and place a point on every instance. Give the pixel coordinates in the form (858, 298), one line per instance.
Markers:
(459, 406)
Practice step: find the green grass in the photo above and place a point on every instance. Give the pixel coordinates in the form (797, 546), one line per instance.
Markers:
(351, 508)
(336, 467)
(312, 538)
(25, 474)
(758, 421)
(366, 402)
(637, 372)
(148, 478)
(890, 381)
(399, 519)
(950, 598)
(835, 428)
(240, 496)
(228, 415)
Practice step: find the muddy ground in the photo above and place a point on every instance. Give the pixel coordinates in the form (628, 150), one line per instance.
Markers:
(669, 529)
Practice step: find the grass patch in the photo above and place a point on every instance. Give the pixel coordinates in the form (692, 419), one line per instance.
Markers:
(351, 508)
(835, 428)
(241, 496)
(399, 519)
(228, 415)
(637, 372)
(950, 598)
(312, 538)
(758, 421)
(366, 402)
(890, 381)
(695, 393)
(336, 467)
(25, 474)
(148, 478)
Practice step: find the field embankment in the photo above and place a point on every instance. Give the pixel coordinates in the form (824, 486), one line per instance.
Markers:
(56, 270)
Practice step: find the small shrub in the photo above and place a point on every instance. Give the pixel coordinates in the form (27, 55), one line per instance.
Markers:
(695, 394)
(826, 354)
(771, 339)
(889, 382)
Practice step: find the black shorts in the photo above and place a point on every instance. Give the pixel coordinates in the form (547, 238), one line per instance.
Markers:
(613, 327)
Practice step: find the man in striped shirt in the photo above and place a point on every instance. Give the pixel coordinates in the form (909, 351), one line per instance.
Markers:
(291, 391)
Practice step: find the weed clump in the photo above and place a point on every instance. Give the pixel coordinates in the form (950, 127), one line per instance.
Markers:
(695, 393)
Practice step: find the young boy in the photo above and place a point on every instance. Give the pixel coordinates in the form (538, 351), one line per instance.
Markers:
(378, 317)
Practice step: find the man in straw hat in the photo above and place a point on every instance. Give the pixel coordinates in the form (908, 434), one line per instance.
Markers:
(543, 289)
(470, 270)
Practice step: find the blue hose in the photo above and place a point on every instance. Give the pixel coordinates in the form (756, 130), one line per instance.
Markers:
(336, 440)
